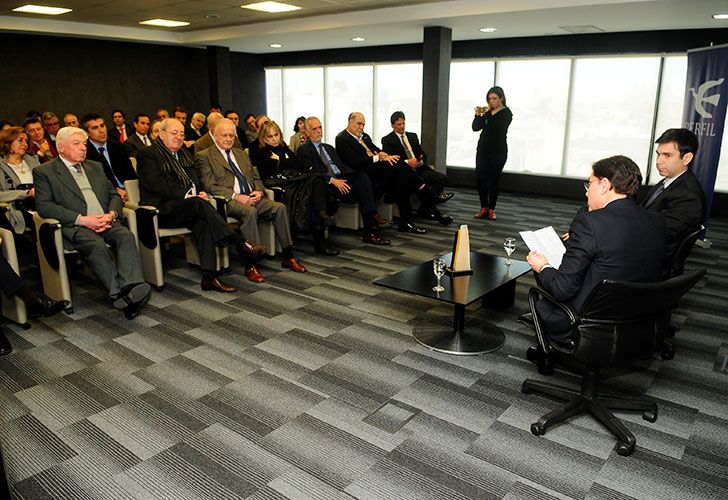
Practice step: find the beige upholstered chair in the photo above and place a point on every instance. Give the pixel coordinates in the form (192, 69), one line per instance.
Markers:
(12, 307)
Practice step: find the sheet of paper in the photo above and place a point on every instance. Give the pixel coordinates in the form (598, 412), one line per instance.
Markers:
(547, 242)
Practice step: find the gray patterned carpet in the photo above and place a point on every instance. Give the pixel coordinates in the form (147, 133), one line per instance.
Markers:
(311, 386)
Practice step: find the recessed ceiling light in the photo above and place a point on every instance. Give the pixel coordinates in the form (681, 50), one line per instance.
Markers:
(165, 23)
(358, 39)
(720, 17)
(487, 30)
(271, 7)
(40, 9)
(275, 45)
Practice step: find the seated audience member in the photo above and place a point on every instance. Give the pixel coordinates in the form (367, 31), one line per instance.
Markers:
(121, 130)
(304, 188)
(615, 239)
(16, 180)
(679, 197)
(39, 144)
(251, 133)
(168, 180)
(36, 302)
(70, 120)
(4, 124)
(252, 146)
(140, 138)
(180, 114)
(162, 114)
(239, 132)
(299, 134)
(112, 155)
(196, 128)
(357, 150)
(216, 108)
(344, 184)
(154, 133)
(226, 171)
(406, 145)
(207, 140)
(51, 124)
(76, 191)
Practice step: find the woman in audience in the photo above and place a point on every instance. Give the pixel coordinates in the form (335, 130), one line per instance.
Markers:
(493, 120)
(299, 137)
(16, 179)
(304, 189)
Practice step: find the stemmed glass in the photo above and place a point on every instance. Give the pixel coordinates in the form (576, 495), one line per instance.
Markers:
(438, 267)
(509, 244)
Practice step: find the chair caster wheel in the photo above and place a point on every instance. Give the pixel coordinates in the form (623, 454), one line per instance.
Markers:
(667, 353)
(525, 389)
(624, 449)
(650, 416)
(538, 429)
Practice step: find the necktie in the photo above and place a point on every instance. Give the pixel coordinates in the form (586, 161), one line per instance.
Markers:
(332, 169)
(242, 181)
(369, 151)
(657, 192)
(77, 166)
(107, 165)
(407, 149)
(145, 140)
(122, 134)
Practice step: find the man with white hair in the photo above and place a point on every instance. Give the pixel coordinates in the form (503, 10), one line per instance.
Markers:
(77, 193)
(196, 128)
(207, 140)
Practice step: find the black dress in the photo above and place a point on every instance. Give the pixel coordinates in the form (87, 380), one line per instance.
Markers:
(492, 153)
(304, 189)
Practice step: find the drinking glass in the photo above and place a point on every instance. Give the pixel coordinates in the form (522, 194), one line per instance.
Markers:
(438, 267)
(509, 244)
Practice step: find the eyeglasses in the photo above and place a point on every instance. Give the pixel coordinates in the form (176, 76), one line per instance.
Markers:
(175, 133)
(588, 183)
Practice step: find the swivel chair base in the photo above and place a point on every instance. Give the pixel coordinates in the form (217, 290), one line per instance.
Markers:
(589, 400)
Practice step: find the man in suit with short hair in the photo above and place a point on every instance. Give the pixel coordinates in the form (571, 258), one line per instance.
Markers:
(207, 140)
(140, 138)
(38, 144)
(196, 128)
(112, 155)
(76, 191)
(121, 130)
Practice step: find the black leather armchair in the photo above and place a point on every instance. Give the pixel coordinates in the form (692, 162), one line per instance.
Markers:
(620, 323)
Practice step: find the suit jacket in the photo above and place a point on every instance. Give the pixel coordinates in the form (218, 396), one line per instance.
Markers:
(217, 176)
(353, 154)
(393, 146)
(58, 196)
(307, 152)
(133, 144)
(192, 135)
(682, 204)
(206, 141)
(33, 149)
(621, 241)
(9, 192)
(159, 188)
(120, 163)
(114, 132)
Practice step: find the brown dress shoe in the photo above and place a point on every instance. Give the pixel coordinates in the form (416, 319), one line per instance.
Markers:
(217, 285)
(374, 239)
(252, 249)
(293, 264)
(491, 214)
(381, 221)
(482, 213)
(253, 274)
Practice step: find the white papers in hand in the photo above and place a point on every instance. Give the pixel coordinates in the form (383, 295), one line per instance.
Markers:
(547, 242)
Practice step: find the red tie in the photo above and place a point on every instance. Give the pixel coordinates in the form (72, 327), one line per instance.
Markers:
(122, 135)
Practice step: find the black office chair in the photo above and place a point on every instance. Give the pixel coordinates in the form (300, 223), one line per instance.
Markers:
(620, 323)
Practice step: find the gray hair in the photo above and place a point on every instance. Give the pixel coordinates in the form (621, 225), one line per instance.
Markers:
(307, 122)
(223, 121)
(164, 124)
(66, 133)
(212, 120)
(197, 114)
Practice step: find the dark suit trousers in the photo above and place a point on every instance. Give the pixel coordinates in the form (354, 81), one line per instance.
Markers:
(435, 182)
(361, 192)
(207, 226)
(398, 181)
(554, 321)
(10, 282)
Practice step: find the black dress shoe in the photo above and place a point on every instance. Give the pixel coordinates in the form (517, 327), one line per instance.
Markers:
(442, 198)
(326, 250)
(39, 304)
(544, 362)
(442, 218)
(132, 310)
(132, 293)
(408, 227)
(5, 345)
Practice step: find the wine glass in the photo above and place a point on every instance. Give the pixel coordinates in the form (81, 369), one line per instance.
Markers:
(509, 244)
(438, 267)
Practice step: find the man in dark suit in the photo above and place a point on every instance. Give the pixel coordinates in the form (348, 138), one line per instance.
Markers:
(615, 239)
(226, 171)
(121, 130)
(239, 131)
(196, 128)
(168, 180)
(344, 183)
(357, 150)
(140, 138)
(679, 197)
(206, 140)
(407, 146)
(76, 191)
(110, 153)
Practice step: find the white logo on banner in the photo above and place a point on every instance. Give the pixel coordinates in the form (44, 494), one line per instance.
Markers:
(700, 98)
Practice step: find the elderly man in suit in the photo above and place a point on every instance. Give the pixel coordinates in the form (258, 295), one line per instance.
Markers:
(615, 239)
(679, 197)
(75, 191)
(226, 171)
(169, 181)
(140, 138)
(207, 139)
(357, 150)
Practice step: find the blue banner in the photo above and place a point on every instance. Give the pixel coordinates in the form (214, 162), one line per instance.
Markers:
(704, 111)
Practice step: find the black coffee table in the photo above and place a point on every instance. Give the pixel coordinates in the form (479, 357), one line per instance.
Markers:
(492, 280)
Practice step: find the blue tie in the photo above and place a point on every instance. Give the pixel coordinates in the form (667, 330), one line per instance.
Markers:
(657, 192)
(107, 164)
(333, 169)
(244, 188)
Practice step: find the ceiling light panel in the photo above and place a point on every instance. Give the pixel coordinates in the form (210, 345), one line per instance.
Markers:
(165, 23)
(272, 7)
(41, 9)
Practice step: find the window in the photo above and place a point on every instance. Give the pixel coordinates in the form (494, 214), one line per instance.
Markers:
(273, 93)
(303, 95)
(397, 87)
(670, 109)
(348, 88)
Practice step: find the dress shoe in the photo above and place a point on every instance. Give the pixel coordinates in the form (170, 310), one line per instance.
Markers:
(5, 346)
(381, 222)
(374, 239)
(481, 213)
(491, 214)
(134, 308)
(442, 198)
(544, 362)
(216, 285)
(442, 218)
(39, 304)
(326, 250)
(135, 292)
(293, 264)
(253, 274)
(408, 227)
(251, 249)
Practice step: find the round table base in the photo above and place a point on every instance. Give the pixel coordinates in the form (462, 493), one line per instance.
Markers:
(476, 337)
